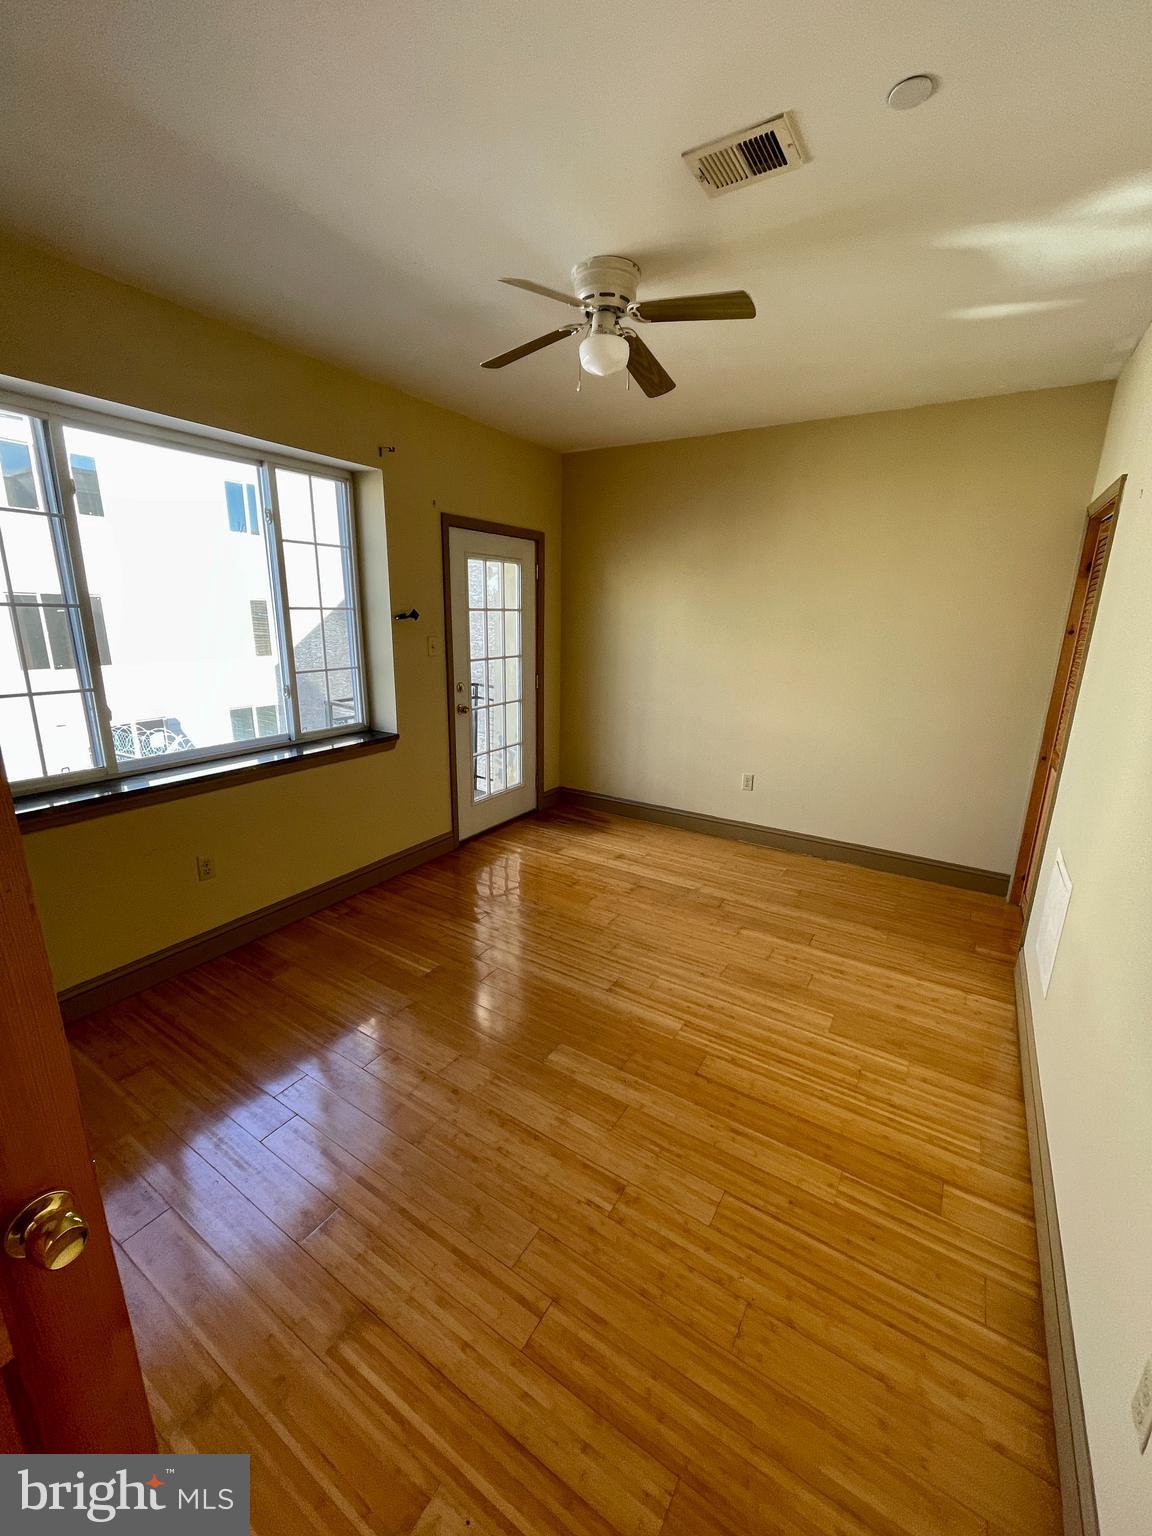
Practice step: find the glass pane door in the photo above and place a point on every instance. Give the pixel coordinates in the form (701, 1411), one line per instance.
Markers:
(492, 587)
(496, 659)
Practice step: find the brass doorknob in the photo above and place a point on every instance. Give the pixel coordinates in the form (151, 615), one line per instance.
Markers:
(461, 709)
(49, 1231)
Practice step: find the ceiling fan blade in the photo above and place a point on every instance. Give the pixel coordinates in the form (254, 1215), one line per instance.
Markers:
(529, 347)
(736, 305)
(646, 370)
(548, 293)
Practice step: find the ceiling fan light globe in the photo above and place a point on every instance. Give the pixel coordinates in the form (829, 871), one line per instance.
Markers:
(602, 353)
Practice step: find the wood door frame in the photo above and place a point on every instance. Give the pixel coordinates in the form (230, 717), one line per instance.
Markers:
(1034, 835)
(448, 521)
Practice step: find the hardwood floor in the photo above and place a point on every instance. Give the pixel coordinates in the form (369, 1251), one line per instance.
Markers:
(596, 1178)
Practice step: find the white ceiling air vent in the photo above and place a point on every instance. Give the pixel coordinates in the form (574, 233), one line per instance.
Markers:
(753, 154)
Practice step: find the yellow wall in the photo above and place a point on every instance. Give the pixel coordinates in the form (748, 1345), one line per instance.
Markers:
(123, 886)
(1094, 1029)
(864, 613)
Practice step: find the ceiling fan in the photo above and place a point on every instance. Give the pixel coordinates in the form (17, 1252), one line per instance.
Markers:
(604, 287)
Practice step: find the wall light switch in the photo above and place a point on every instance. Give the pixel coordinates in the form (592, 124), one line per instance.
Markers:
(1142, 1407)
(435, 645)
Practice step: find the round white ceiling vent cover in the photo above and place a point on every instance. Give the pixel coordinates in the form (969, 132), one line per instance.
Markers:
(912, 92)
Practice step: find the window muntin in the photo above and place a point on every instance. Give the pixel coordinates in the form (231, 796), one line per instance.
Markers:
(315, 531)
(133, 624)
(496, 659)
(47, 703)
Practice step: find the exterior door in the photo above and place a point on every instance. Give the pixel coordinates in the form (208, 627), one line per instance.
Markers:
(73, 1381)
(1098, 538)
(493, 603)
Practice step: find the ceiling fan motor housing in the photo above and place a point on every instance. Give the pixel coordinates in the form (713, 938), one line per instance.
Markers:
(606, 283)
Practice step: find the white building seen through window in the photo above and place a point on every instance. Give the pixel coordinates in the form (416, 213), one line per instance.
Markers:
(166, 598)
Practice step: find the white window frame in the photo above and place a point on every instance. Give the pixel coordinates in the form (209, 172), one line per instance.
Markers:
(49, 420)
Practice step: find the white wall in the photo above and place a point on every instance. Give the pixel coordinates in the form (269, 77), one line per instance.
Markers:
(1094, 1029)
(864, 613)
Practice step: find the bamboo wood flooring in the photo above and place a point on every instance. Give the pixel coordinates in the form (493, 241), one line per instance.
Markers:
(596, 1178)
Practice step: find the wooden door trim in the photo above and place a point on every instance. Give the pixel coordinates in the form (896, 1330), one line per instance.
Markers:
(1106, 498)
(1033, 835)
(448, 521)
(71, 1338)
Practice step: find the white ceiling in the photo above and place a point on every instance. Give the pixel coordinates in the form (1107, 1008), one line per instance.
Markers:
(353, 178)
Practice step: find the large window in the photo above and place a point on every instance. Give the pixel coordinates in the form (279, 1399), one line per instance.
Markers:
(134, 626)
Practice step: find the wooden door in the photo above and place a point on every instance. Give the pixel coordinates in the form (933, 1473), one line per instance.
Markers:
(1098, 537)
(73, 1382)
(493, 626)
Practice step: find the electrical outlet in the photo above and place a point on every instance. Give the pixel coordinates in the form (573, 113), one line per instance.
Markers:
(1142, 1407)
(748, 781)
(205, 867)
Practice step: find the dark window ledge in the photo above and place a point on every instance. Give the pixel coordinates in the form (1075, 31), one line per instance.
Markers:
(56, 807)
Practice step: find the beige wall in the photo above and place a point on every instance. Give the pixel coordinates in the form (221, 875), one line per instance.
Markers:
(1094, 1029)
(123, 886)
(863, 612)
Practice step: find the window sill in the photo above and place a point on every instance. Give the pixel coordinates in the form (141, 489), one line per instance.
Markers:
(57, 807)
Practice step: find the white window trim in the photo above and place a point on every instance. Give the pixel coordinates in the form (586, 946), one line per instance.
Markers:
(52, 410)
